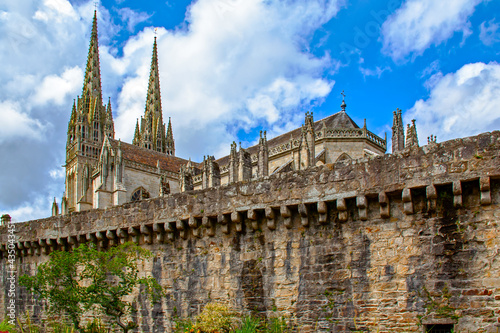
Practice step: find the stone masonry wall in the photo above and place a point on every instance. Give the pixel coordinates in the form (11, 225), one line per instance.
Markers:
(382, 245)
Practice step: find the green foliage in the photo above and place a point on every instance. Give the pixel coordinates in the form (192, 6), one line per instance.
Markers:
(95, 326)
(58, 327)
(90, 280)
(28, 326)
(278, 325)
(5, 326)
(249, 325)
(57, 282)
(215, 318)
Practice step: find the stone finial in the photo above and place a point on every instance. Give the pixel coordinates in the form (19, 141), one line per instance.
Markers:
(55, 208)
(411, 135)
(398, 133)
(5, 220)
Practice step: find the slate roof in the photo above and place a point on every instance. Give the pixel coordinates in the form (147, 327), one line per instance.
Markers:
(150, 157)
(338, 120)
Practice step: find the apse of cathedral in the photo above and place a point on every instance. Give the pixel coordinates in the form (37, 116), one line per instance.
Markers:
(102, 172)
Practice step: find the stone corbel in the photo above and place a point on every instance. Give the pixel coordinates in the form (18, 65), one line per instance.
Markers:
(43, 245)
(323, 212)
(193, 224)
(169, 229)
(236, 219)
(36, 248)
(158, 230)
(407, 203)
(342, 209)
(484, 186)
(252, 216)
(209, 225)
(52, 244)
(62, 242)
(146, 231)
(134, 233)
(286, 214)
(72, 241)
(271, 218)
(29, 249)
(304, 216)
(111, 236)
(431, 198)
(223, 220)
(101, 239)
(122, 235)
(383, 200)
(457, 194)
(362, 205)
(181, 227)
(21, 249)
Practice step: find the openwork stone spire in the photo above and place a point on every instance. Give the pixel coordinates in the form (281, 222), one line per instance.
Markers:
(151, 133)
(92, 81)
(170, 142)
(90, 123)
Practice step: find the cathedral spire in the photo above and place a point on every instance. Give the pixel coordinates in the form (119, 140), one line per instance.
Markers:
(170, 142)
(151, 133)
(153, 100)
(137, 134)
(92, 82)
(109, 129)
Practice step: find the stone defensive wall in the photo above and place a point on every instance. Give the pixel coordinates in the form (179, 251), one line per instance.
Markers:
(390, 244)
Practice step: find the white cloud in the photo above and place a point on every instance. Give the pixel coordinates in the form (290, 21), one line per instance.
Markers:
(16, 124)
(132, 18)
(55, 88)
(237, 64)
(377, 71)
(233, 65)
(460, 104)
(489, 33)
(418, 24)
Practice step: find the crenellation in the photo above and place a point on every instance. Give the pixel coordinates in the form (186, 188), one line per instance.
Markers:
(334, 245)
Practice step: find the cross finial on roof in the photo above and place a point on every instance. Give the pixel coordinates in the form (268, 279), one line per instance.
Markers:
(343, 105)
(156, 30)
(95, 5)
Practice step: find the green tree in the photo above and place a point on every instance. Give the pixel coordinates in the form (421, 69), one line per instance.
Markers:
(88, 279)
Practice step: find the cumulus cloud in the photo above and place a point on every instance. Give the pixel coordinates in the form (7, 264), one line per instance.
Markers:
(17, 124)
(237, 64)
(232, 65)
(418, 24)
(56, 88)
(460, 104)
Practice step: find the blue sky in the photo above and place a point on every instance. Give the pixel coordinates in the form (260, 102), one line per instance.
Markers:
(229, 68)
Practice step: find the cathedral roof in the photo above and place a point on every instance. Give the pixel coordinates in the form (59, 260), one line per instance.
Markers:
(338, 120)
(150, 157)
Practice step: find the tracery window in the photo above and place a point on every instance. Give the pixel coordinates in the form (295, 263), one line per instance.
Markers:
(139, 194)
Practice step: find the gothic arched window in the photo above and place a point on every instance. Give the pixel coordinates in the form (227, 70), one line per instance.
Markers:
(139, 194)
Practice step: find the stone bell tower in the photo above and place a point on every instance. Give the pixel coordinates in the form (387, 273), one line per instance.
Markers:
(91, 121)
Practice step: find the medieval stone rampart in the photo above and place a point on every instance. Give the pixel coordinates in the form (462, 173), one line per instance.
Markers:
(389, 244)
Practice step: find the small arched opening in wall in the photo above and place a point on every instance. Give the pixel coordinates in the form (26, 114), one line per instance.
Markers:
(139, 194)
(344, 157)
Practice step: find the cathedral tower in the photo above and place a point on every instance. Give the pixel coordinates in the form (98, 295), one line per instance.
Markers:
(89, 124)
(150, 132)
